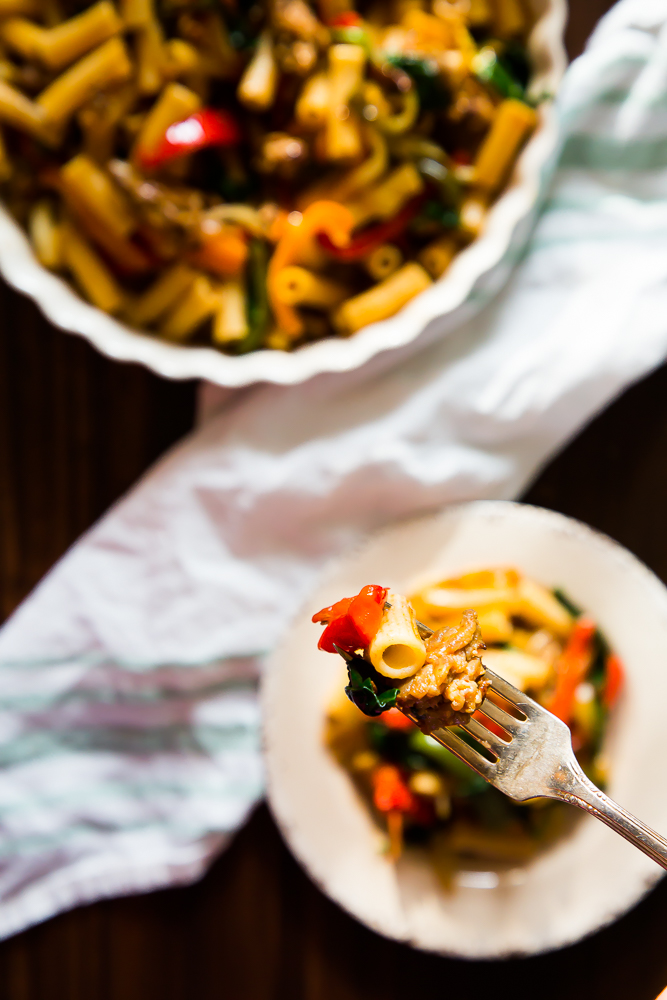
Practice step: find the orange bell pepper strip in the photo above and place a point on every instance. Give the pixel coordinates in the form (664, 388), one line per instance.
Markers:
(224, 254)
(299, 235)
(614, 680)
(571, 668)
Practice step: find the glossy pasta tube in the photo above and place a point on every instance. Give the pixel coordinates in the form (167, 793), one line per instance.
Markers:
(161, 296)
(18, 111)
(513, 122)
(151, 57)
(230, 322)
(342, 133)
(61, 45)
(91, 185)
(181, 58)
(383, 261)
(106, 65)
(438, 255)
(90, 272)
(297, 286)
(198, 304)
(23, 37)
(257, 88)
(46, 235)
(397, 649)
(383, 300)
(313, 102)
(99, 124)
(136, 13)
(368, 171)
(387, 197)
(175, 103)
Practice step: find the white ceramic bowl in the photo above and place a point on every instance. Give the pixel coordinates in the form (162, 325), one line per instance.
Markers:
(580, 884)
(65, 309)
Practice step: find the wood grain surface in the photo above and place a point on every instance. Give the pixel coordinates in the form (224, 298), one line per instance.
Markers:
(76, 431)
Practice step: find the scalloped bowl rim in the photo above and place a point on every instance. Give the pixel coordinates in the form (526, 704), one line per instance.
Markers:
(63, 307)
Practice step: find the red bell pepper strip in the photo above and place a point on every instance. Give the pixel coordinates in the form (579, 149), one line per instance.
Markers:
(208, 127)
(614, 680)
(374, 236)
(390, 791)
(352, 623)
(571, 668)
(346, 19)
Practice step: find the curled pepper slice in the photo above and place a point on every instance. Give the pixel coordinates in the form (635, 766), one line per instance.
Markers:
(352, 623)
(374, 236)
(208, 127)
(296, 245)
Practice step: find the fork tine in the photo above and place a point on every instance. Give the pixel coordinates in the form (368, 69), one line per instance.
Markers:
(510, 693)
(486, 736)
(459, 747)
(499, 715)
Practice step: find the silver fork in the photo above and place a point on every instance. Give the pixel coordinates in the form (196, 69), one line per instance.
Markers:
(537, 760)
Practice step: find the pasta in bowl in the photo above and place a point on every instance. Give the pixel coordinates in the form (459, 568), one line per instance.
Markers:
(465, 886)
(254, 181)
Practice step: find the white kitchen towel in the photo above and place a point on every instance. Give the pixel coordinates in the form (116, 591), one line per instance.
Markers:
(129, 745)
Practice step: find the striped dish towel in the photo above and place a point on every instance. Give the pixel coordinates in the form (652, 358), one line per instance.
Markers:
(129, 746)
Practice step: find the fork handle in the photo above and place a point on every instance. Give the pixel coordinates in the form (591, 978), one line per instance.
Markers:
(586, 796)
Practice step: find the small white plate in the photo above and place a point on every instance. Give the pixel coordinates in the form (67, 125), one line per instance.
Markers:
(508, 225)
(582, 883)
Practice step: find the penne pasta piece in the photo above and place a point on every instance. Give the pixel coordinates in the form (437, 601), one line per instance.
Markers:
(161, 296)
(91, 186)
(438, 255)
(383, 261)
(23, 114)
(199, 303)
(383, 300)
(99, 121)
(539, 606)
(342, 133)
(313, 102)
(257, 88)
(180, 59)
(61, 45)
(513, 122)
(387, 197)
(397, 649)
(109, 64)
(46, 235)
(297, 286)
(231, 318)
(174, 104)
(90, 272)
(23, 37)
(368, 171)
(151, 57)
(136, 13)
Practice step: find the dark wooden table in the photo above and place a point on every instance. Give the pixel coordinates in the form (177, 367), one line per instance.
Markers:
(76, 431)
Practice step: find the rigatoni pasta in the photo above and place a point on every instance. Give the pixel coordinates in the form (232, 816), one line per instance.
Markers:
(397, 650)
(257, 176)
